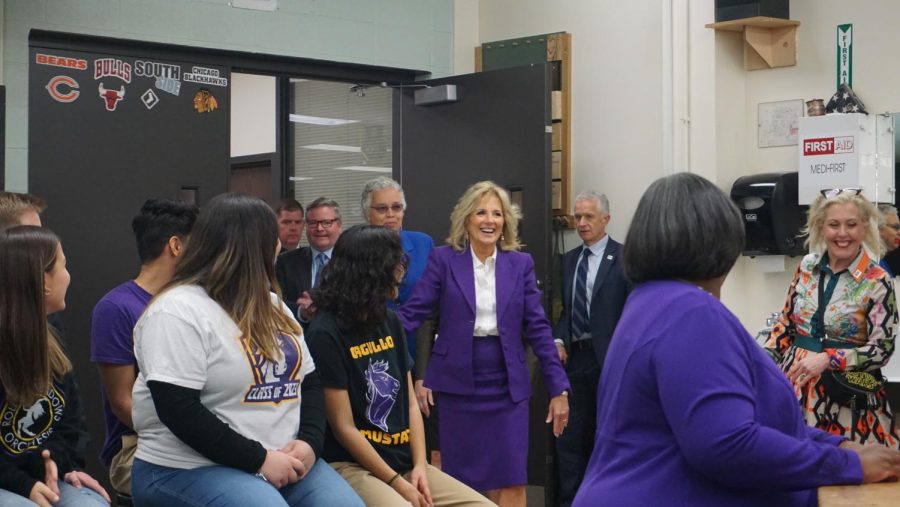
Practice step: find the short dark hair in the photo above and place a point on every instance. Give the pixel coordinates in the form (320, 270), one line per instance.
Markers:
(684, 228)
(360, 277)
(288, 204)
(158, 220)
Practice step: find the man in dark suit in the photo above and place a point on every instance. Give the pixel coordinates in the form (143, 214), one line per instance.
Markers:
(593, 292)
(300, 269)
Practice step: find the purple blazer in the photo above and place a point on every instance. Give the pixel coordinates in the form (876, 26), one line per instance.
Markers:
(448, 283)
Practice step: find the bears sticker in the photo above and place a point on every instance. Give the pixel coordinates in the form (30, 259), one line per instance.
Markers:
(63, 89)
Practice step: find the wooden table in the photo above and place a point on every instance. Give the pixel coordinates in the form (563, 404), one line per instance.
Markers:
(885, 494)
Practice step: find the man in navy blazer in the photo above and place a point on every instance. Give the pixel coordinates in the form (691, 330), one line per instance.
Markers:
(297, 270)
(593, 293)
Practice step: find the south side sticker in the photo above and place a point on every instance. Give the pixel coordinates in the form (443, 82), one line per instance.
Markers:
(60, 61)
(63, 89)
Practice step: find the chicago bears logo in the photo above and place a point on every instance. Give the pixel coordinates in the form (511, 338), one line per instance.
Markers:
(111, 97)
(63, 89)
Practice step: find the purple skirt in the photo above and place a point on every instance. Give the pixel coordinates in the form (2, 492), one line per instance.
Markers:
(484, 436)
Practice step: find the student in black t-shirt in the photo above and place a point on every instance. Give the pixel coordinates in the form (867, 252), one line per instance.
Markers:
(375, 438)
(42, 430)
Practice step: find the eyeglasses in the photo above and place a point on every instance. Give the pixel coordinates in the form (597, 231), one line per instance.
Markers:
(382, 209)
(326, 224)
(834, 192)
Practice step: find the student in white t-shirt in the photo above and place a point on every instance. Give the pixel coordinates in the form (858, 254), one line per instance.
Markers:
(225, 375)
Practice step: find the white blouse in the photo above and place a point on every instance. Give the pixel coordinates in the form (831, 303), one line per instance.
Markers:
(485, 295)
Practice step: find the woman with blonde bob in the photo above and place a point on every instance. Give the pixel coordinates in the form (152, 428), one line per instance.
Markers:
(223, 367)
(840, 316)
(488, 303)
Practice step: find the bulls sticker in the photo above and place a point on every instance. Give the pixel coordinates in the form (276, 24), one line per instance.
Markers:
(205, 102)
(63, 89)
(149, 98)
(60, 61)
(168, 85)
(111, 97)
(205, 75)
(112, 67)
(155, 69)
(274, 381)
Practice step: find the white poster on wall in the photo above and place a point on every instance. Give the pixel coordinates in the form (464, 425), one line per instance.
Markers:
(829, 154)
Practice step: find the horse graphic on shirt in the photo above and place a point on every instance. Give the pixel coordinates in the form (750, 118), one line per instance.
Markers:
(381, 394)
(272, 371)
(32, 414)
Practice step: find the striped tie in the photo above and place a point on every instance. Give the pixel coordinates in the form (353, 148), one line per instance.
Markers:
(580, 323)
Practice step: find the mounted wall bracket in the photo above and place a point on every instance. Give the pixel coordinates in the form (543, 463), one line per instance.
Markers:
(768, 42)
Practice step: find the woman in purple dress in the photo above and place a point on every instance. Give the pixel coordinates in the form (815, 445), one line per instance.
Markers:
(691, 410)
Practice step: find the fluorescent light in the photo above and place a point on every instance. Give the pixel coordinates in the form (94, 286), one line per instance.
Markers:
(300, 178)
(365, 168)
(256, 5)
(318, 120)
(762, 184)
(333, 147)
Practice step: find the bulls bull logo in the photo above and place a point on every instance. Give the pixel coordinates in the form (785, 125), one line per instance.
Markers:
(63, 89)
(111, 97)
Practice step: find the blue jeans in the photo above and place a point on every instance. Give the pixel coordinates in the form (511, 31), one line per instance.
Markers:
(69, 496)
(220, 486)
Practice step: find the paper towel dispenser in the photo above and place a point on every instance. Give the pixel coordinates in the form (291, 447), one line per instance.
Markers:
(772, 217)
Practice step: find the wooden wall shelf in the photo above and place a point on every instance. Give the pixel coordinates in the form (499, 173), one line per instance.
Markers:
(768, 42)
(555, 48)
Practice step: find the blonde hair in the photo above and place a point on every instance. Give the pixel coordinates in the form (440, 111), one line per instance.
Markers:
(459, 238)
(868, 214)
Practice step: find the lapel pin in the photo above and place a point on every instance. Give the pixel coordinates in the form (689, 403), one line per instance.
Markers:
(609, 257)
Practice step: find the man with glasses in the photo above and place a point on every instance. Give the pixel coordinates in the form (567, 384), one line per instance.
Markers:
(300, 270)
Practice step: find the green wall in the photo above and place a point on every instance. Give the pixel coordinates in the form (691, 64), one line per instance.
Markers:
(413, 34)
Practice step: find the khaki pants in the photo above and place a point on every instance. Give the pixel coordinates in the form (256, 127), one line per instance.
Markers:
(120, 467)
(445, 490)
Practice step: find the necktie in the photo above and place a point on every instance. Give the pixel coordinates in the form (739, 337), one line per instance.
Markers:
(321, 261)
(580, 322)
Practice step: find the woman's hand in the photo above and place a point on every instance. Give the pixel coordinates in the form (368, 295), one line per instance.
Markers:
(418, 477)
(51, 474)
(409, 492)
(805, 369)
(42, 495)
(879, 463)
(558, 414)
(280, 469)
(424, 397)
(303, 452)
(81, 479)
